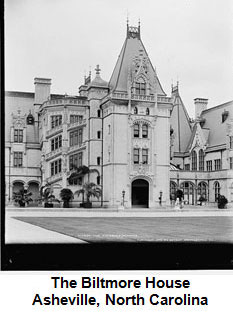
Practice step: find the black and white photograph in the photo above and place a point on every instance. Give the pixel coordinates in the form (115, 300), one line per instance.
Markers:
(118, 133)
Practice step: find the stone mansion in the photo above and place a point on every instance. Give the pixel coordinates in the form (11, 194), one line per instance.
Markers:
(141, 142)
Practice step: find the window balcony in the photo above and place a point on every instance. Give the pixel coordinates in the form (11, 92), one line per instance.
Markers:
(143, 97)
(76, 147)
(54, 153)
(56, 177)
(77, 124)
(164, 99)
(54, 131)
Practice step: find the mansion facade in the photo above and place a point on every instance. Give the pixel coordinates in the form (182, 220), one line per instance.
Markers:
(140, 143)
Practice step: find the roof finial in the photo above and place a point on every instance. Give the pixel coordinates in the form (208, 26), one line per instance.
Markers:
(97, 69)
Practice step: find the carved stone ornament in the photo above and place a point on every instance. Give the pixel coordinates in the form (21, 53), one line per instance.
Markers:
(19, 122)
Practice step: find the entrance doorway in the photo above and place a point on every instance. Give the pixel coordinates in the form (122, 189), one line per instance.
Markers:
(140, 193)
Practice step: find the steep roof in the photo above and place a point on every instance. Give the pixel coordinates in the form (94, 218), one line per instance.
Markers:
(132, 48)
(213, 122)
(180, 123)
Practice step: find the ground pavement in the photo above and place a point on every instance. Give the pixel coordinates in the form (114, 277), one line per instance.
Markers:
(18, 231)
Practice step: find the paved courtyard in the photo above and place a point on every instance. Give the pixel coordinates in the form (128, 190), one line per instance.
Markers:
(59, 226)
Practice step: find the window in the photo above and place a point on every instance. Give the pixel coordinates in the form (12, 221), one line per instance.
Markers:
(187, 167)
(55, 167)
(202, 190)
(140, 88)
(136, 130)
(194, 160)
(56, 142)
(231, 162)
(76, 118)
(75, 160)
(231, 142)
(144, 130)
(18, 136)
(76, 137)
(136, 155)
(201, 160)
(145, 156)
(98, 113)
(147, 111)
(18, 159)
(209, 165)
(56, 120)
(98, 161)
(109, 129)
(75, 181)
(135, 110)
(217, 164)
(216, 190)
(98, 134)
(98, 180)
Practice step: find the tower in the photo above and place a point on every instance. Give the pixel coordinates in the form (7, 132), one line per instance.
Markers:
(136, 130)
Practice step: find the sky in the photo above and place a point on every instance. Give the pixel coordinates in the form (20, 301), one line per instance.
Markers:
(186, 40)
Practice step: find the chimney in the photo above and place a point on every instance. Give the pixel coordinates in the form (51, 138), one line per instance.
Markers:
(42, 90)
(200, 105)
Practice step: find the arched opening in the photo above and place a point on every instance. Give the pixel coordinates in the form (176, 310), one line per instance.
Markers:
(202, 190)
(188, 190)
(216, 190)
(17, 186)
(33, 187)
(140, 193)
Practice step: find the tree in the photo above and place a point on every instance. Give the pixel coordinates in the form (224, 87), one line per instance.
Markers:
(46, 195)
(66, 195)
(89, 189)
(22, 197)
(79, 172)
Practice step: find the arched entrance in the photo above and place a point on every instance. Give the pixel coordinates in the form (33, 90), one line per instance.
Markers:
(188, 190)
(140, 193)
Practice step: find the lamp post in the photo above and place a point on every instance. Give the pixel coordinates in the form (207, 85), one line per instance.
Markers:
(160, 197)
(123, 198)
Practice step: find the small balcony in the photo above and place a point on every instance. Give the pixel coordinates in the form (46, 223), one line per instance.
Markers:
(54, 153)
(55, 178)
(143, 97)
(76, 147)
(164, 99)
(54, 131)
(77, 124)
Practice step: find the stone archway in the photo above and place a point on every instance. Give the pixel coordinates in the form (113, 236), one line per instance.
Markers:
(33, 187)
(140, 193)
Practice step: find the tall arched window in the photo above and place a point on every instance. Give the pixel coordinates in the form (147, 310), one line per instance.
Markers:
(136, 130)
(135, 110)
(145, 131)
(216, 190)
(147, 111)
(194, 160)
(201, 160)
(202, 190)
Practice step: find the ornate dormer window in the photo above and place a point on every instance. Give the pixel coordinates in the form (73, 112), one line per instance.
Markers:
(135, 111)
(140, 87)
